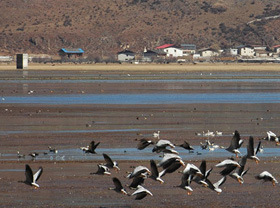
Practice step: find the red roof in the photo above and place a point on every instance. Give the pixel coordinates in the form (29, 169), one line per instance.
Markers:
(165, 46)
(276, 46)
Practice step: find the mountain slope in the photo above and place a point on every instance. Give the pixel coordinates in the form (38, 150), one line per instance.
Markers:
(102, 28)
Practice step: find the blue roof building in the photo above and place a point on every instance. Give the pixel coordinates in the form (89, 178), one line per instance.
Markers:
(71, 52)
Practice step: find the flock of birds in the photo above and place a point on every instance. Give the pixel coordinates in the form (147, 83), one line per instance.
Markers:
(171, 162)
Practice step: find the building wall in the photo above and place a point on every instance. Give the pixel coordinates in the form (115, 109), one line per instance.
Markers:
(208, 53)
(125, 57)
(173, 52)
(247, 51)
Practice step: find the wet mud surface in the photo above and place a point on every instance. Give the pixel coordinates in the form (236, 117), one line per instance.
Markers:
(66, 180)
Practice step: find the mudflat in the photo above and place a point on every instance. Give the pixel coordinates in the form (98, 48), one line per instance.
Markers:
(66, 180)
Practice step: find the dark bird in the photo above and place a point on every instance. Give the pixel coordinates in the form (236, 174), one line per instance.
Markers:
(102, 170)
(272, 137)
(161, 145)
(251, 152)
(53, 150)
(141, 193)
(227, 163)
(34, 154)
(30, 178)
(118, 187)
(238, 175)
(266, 176)
(186, 146)
(169, 159)
(205, 174)
(20, 155)
(110, 163)
(143, 143)
(154, 172)
(171, 168)
(185, 183)
(92, 147)
(136, 181)
(235, 144)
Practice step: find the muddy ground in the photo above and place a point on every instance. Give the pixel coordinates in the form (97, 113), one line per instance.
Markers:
(31, 127)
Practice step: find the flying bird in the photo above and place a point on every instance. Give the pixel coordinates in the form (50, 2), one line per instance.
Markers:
(186, 146)
(118, 187)
(31, 179)
(266, 176)
(227, 163)
(110, 163)
(238, 175)
(92, 147)
(216, 186)
(143, 143)
(139, 171)
(251, 152)
(102, 170)
(161, 145)
(141, 193)
(235, 144)
(154, 172)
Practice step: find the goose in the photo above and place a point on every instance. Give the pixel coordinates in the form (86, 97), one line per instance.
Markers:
(185, 183)
(30, 178)
(110, 163)
(102, 170)
(208, 133)
(141, 193)
(238, 175)
(34, 154)
(216, 186)
(52, 150)
(155, 174)
(156, 134)
(139, 171)
(161, 145)
(84, 148)
(227, 163)
(143, 143)
(266, 176)
(192, 170)
(205, 173)
(135, 182)
(272, 137)
(219, 133)
(170, 151)
(118, 186)
(171, 168)
(251, 152)
(186, 146)
(168, 159)
(92, 147)
(235, 144)
(20, 155)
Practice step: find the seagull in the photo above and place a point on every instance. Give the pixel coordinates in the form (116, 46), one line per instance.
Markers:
(186, 146)
(251, 152)
(102, 170)
(266, 176)
(161, 145)
(30, 178)
(110, 163)
(143, 143)
(118, 186)
(156, 134)
(216, 186)
(141, 193)
(139, 171)
(235, 144)
(92, 147)
(155, 174)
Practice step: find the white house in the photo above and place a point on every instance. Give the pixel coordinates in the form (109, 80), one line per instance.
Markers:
(208, 52)
(171, 50)
(276, 49)
(247, 51)
(126, 55)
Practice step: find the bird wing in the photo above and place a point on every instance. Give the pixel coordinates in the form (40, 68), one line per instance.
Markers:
(37, 175)
(108, 160)
(117, 184)
(136, 181)
(154, 168)
(28, 174)
(244, 172)
(228, 170)
(258, 147)
(250, 147)
(202, 167)
(220, 182)
(95, 145)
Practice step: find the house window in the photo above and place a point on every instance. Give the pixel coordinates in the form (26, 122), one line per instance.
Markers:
(175, 51)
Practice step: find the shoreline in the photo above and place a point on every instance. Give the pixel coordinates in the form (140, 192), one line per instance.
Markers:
(149, 67)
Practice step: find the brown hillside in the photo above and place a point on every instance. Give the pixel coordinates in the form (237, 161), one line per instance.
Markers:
(101, 28)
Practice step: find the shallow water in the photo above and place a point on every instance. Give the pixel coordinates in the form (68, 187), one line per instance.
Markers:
(147, 98)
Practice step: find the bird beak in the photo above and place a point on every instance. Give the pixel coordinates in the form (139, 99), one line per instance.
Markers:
(257, 162)
(189, 193)
(124, 192)
(273, 183)
(182, 163)
(239, 181)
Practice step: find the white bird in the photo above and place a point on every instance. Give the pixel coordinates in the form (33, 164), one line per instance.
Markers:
(219, 133)
(141, 192)
(216, 186)
(266, 176)
(161, 145)
(102, 170)
(238, 175)
(52, 150)
(156, 134)
(208, 133)
(139, 171)
(30, 178)
(227, 162)
(272, 137)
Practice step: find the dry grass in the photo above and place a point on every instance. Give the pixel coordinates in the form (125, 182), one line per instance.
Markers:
(150, 67)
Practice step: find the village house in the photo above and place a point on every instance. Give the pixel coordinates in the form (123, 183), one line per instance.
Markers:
(246, 51)
(171, 50)
(208, 52)
(126, 56)
(188, 49)
(149, 56)
(276, 49)
(71, 53)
